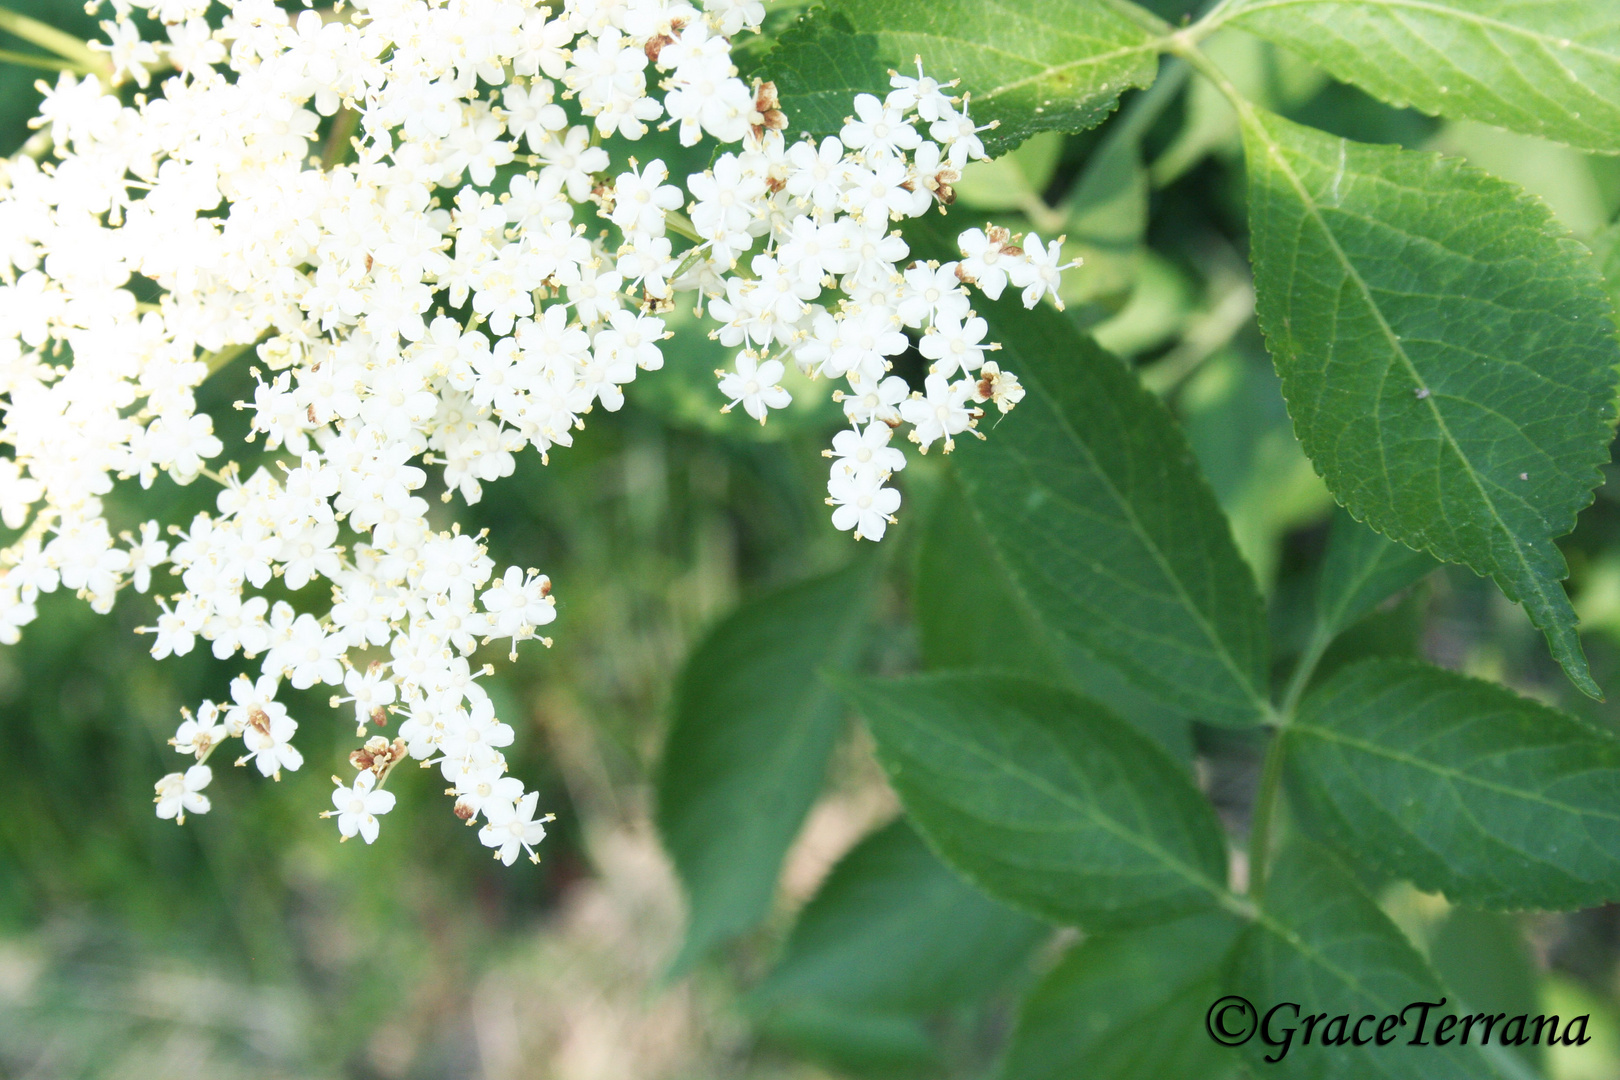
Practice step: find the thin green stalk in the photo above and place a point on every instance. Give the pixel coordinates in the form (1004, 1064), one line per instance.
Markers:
(1301, 677)
(1211, 20)
(1268, 794)
(47, 63)
(338, 140)
(681, 225)
(1184, 43)
(1141, 16)
(1260, 818)
(217, 360)
(1140, 113)
(57, 41)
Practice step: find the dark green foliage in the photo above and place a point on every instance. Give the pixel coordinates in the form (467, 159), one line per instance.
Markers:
(1461, 786)
(1130, 674)
(1044, 799)
(753, 728)
(1446, 351)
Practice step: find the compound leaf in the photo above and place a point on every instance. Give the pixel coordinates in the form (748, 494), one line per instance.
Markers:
(971, 615)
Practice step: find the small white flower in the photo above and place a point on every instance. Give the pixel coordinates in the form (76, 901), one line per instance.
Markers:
(197, 735)
(358, 807)
(880, 131)
(180, 793)
(510, 828)
(856, 451)
(518, 604)
(754, 386)
(940, 412)
(862, 503)
(985, 262)
(955, 346)
(268, 739)
(1040, 271)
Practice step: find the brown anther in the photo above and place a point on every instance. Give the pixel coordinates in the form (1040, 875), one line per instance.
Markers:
(656, 43)
(377, 754)
(368, 262)
(767, 114)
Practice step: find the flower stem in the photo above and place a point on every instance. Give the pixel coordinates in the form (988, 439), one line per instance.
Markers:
(681, 225)
(1260, 818)
(344, 125)
(48, 63)
(57, 41)
(217, 360)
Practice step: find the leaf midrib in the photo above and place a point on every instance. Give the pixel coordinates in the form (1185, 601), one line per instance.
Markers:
(1038, 783)
(1446, 772)
(1274, 151)
(1046, 71)
(1037, 383)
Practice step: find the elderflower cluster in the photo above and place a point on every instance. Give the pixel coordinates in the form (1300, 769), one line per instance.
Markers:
(402, 212)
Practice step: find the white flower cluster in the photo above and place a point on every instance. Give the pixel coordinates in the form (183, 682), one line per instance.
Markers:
(422, 293)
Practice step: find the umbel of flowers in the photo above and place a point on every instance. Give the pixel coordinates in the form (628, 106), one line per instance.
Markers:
(401, 213)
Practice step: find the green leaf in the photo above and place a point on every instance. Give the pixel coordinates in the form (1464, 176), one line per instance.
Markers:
(1543, 67)
(1013, 181)
(1128, 1005)
(1483, 958)
(880, 1045)
(1233, 413)
(959, 572)
(19, 101)
(1323, 945)
(685, 395)
(893, 930)
(1460, 785)
(745, 756)
(1360, 571)
(1090, 495)
(1606, 246)
(1041, 65)
(1045, 800)
(1446, 352)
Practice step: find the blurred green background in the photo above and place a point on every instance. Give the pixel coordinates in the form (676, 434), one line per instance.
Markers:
(250, 944)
